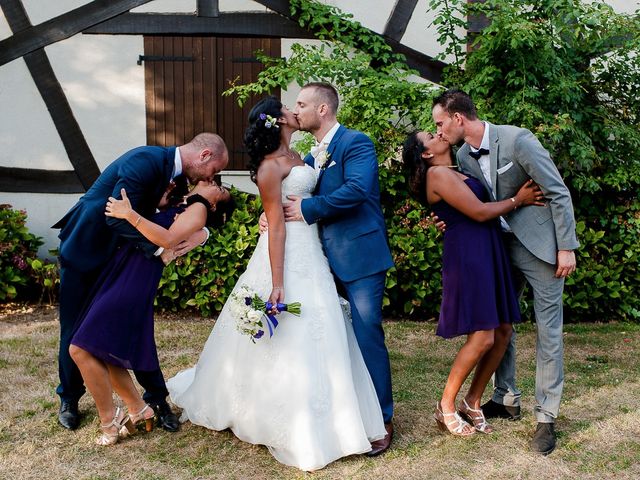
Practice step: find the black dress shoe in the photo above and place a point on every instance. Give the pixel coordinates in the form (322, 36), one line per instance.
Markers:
(493, 409)
(382, 445)
(166, 418)
(68, 416)
(544, 440)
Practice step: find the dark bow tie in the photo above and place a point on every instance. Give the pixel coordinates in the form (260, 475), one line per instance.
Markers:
(479, 153)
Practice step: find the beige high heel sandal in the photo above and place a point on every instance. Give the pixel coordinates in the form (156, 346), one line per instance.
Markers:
(111, 438)
(475, 416)
(461, 428)
(146, 416)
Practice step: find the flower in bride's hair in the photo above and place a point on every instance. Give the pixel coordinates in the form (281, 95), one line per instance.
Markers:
(269, 121)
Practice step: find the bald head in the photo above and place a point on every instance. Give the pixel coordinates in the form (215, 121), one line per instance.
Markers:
(211, 141)
(204, 157)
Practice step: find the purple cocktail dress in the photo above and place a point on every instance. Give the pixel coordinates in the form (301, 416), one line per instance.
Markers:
(117, 324)
(477, 289)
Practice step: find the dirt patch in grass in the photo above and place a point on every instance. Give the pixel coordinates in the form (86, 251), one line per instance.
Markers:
(599, 423)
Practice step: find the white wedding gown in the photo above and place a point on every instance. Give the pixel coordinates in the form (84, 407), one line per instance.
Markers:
(305, 393)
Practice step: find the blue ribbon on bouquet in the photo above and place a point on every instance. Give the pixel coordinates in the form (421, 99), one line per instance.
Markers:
(272, 322)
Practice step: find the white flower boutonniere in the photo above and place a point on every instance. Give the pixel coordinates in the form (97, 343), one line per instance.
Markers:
(323, 160)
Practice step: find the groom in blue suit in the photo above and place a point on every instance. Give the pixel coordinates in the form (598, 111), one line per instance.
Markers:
(346, 206)
(88, 239)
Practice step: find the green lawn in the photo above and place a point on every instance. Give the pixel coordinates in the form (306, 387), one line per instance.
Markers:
(599, 423)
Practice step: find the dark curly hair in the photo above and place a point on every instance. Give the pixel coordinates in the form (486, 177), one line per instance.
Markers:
(221, 215)
(215, 218)
(259, 139)
(415, 167)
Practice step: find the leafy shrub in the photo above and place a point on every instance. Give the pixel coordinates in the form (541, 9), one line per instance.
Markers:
(568, 70)
(18, 248)
(45, 276)
(204, 278)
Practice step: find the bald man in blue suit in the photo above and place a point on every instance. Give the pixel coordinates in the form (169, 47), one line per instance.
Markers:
(88, 239)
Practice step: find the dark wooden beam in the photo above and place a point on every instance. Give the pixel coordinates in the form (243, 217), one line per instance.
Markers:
(54, 98)
(27, 180)
(245, 24)
(476, 23)
(63, 26)
(426, 66)
(399, 19)
(208, 8)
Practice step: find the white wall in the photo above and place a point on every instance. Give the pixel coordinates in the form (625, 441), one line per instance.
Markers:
(624, 6)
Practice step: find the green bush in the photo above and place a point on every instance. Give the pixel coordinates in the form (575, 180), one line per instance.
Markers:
(569, 71)
(566, 69)
(607, 282)
(45, 276)
(204, 278)
(18, 249)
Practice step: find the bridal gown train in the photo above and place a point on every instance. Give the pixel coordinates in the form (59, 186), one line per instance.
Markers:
(305, 393)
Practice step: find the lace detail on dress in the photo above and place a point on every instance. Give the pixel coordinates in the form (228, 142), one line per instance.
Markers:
(320, 401)
(316, 325)
(301, 181)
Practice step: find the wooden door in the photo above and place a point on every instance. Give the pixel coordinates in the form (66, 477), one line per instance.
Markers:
(184, 81)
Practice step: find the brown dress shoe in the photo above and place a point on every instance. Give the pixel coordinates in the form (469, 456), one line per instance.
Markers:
(382, 445)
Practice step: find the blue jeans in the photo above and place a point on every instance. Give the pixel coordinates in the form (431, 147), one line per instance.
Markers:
(365, 296)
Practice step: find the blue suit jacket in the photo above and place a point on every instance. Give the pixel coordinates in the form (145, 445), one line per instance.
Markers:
(347, 208)
(88, 238)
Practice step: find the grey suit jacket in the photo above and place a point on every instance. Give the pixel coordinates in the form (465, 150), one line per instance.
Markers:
(515, 156)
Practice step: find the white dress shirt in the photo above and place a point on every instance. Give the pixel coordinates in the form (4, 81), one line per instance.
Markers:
(485, 165)
(322, 146)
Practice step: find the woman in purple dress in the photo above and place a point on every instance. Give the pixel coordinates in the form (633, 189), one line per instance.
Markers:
(478, 296)
(115, 332)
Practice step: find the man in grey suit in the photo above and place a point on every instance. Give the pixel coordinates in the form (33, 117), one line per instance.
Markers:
(540, 242)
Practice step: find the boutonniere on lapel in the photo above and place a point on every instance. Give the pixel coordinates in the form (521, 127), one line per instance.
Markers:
(323, 160)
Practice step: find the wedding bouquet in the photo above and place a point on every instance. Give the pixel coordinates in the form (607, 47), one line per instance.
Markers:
(252, 313)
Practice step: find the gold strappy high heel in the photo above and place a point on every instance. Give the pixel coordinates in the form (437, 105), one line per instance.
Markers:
(455, 426)
(108, 437)
(145, 416)
(475, 416)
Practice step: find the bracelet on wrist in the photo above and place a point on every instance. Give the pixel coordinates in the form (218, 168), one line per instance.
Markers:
(135, 225)
(514, 202)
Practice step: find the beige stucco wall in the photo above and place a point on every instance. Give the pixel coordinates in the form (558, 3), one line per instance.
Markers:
(105, 89)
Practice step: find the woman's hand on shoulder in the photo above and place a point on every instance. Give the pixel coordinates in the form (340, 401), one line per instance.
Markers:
(119, 208)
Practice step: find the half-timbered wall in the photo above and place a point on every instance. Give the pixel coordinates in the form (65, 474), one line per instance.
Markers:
(104, 87)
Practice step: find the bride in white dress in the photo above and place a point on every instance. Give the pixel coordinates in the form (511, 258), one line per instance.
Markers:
(305, 392)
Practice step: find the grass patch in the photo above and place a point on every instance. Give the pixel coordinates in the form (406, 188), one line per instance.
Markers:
(598, 427)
